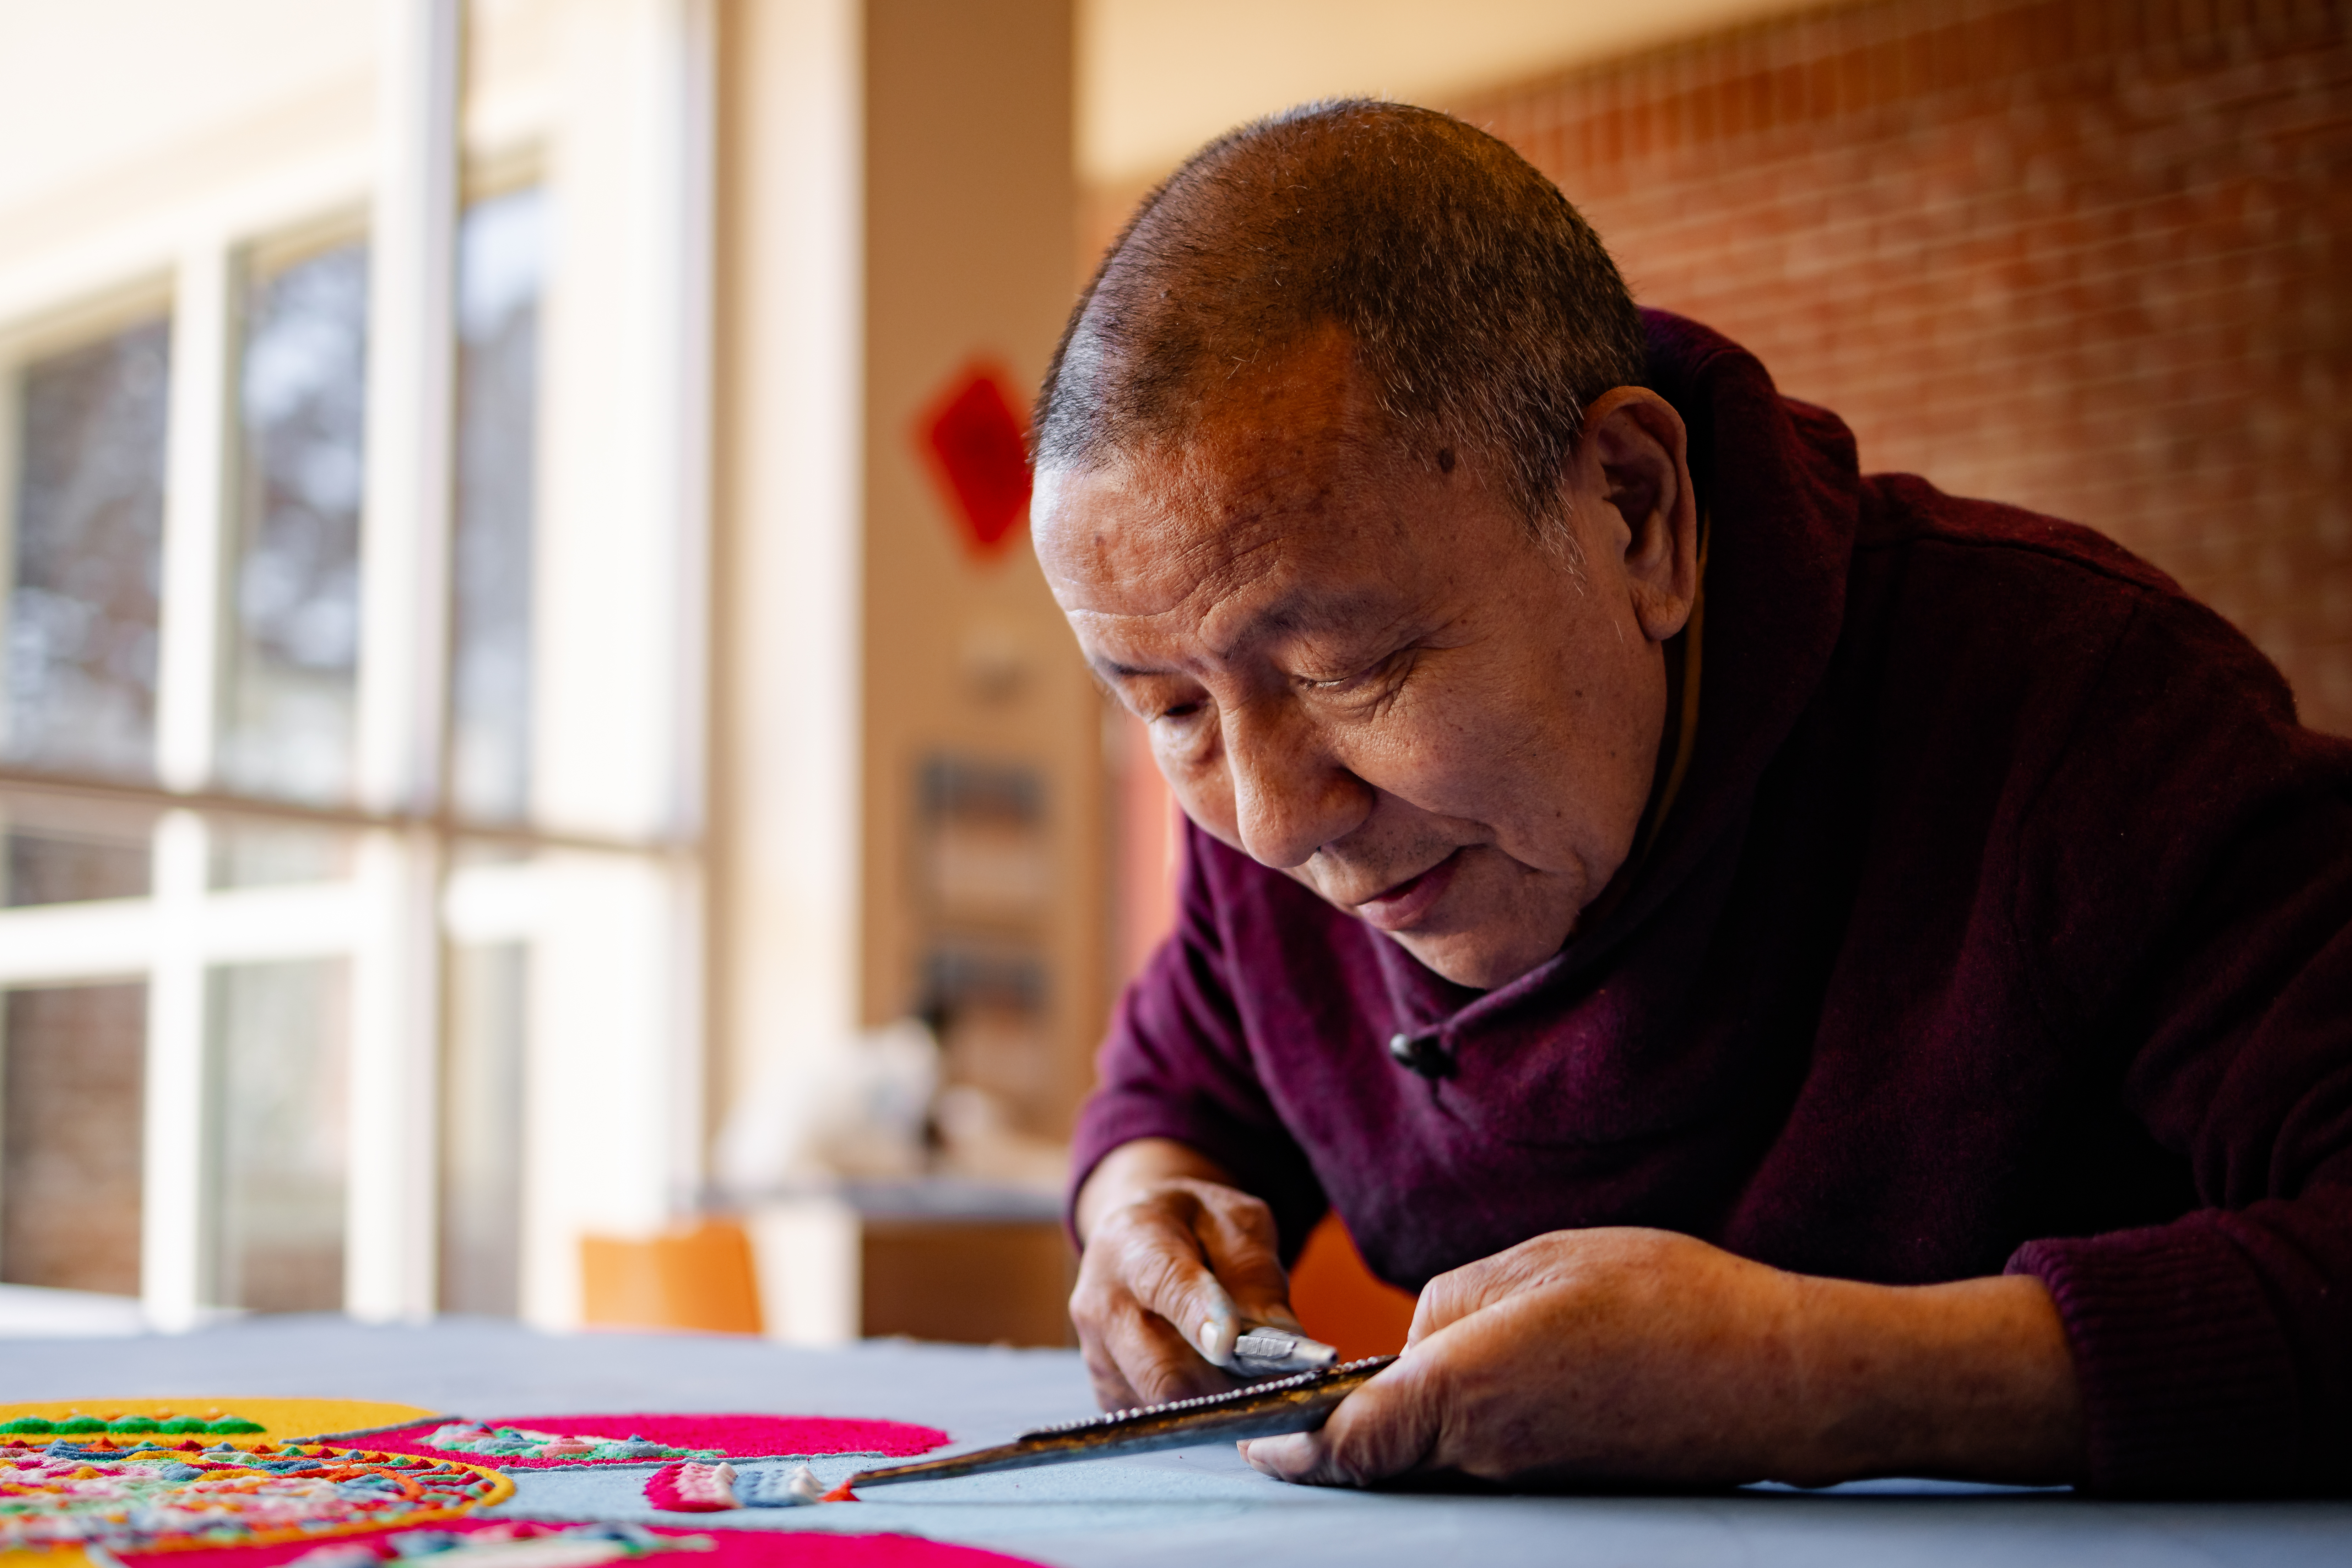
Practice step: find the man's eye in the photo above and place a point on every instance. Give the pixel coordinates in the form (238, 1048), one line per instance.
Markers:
(1370, 677)
(1178, 711)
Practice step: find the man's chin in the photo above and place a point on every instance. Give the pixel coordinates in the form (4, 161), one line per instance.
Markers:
(1483, 961)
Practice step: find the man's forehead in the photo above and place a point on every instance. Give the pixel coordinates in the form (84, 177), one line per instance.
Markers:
(1273, 592)
(1224, 503)
(1289, 509)
(1153, 539)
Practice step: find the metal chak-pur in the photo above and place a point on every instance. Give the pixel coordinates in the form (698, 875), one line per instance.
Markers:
(1296, 1404)
(1267, 1350)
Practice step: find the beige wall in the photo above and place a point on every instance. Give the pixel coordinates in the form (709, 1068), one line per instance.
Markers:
(99, 90)
(897, 199)
(970, 210)
(1157, 78)
(786, 567)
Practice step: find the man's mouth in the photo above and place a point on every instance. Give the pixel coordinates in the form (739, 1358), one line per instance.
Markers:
(1402, 907)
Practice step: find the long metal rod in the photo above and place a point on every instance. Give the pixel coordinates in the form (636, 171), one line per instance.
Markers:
(1299, 1403)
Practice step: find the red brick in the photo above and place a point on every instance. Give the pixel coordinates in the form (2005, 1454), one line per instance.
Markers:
(2092, 255)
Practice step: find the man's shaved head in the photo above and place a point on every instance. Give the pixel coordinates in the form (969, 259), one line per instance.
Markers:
(1482, 310)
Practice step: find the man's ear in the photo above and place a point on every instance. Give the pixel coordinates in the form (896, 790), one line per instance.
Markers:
(1633, 456)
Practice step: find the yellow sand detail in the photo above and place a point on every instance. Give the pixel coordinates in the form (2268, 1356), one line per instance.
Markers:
(282, 1420)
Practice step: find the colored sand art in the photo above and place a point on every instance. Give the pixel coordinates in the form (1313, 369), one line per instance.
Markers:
(578, 1440)
(503, 1543)
(158, 1496)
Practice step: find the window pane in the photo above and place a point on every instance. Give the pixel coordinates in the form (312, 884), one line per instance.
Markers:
(481, 1129)
(54, 852)
(87, 556)
(249, 854)
(70, 1114)
(294, 647)
(277, 1051)
(501, 250)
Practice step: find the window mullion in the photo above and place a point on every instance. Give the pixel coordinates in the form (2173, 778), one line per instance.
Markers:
(411, 415)
(404, 657)
(174, 1186)
(397, 982)
(195, 499)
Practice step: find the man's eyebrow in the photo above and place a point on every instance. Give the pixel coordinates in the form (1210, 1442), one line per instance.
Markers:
(1303, 608)
(1309, 608)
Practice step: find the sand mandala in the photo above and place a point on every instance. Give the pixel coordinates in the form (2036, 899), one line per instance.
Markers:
(164, 1496)
(497, 1444)
(561, 1442)
(295, 1483)
(524, 1543)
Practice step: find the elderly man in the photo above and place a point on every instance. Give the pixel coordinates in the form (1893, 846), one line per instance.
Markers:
(1810, 977)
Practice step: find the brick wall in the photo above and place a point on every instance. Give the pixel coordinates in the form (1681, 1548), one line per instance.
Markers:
(2090, 256)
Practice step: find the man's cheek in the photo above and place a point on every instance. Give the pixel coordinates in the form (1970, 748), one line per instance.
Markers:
(1205, 794)
(1443, 761)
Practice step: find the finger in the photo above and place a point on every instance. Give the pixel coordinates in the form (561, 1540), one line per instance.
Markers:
(1164, 1265)
(1456, 1294)
(1159, 1364)
(1131, 1354)
(1243, 1251)
(1134, 1356)
(1385, 1428)
(1144, 1362)
(1096, 1305)
(1112, 1390)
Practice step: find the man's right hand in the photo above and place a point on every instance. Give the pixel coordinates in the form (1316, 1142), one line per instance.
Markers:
(1176, 1256)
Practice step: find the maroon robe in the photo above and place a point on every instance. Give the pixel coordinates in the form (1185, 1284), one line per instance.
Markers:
(2002, 920)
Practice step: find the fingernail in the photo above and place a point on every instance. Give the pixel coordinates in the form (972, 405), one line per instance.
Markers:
(1218, 1331)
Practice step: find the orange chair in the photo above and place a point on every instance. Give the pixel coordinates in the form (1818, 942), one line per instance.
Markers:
(699, 1277)
(1339, 1303)
(696, 1276)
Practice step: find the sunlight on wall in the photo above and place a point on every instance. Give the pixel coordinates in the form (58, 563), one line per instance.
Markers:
(1157, 78)
(100, 82)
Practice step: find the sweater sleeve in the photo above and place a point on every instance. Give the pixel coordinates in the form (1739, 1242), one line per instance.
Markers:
(2196, 915)
(1177, 1064)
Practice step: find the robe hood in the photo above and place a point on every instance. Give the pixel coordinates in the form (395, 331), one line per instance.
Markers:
(1779, 488)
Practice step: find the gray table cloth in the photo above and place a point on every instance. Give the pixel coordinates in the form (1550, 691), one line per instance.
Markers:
(1197, 1508)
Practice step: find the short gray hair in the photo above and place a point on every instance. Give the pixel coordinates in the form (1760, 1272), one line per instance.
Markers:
(1482, 308)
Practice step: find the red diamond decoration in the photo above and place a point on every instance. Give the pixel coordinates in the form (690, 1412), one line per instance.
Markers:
(979, 453)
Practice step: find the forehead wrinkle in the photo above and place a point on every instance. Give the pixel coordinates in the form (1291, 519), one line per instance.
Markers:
(1308, 609)
(1221, 563)
(1179, 614)
(1207, 520)
(1278, 537)
(1166, 521)
(1181, 567)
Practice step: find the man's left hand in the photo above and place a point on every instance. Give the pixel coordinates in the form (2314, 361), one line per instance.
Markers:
(1625, 1354)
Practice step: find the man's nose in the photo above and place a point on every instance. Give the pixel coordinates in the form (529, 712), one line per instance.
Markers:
(1291, 796)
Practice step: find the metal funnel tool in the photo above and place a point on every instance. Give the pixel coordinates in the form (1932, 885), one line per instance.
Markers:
(1296, 1404)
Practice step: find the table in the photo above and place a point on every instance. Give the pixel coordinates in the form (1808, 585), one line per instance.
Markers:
(1196, 1508)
